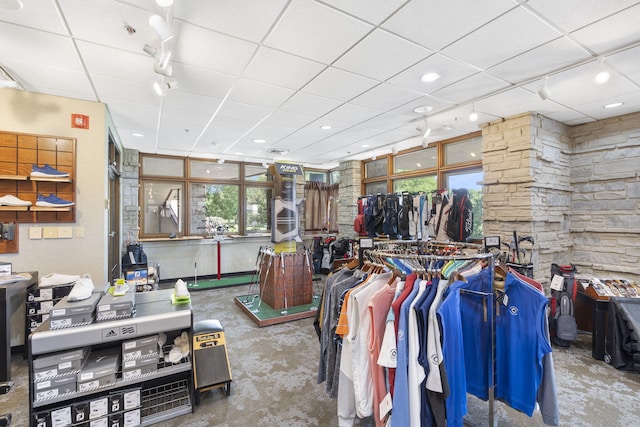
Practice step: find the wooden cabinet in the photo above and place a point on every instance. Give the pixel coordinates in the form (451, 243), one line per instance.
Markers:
(18, 153)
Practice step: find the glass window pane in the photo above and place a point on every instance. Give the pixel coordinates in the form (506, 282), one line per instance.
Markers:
(258, 209)
(415, 185)
(335, 177)
(162, 166)
(469, 150)
(469, 179)
(316, 176)
(376, 168)
(163, 207)
(376, 187)
(255, 173)
(423, 159)
(213, 170)
(214, 206)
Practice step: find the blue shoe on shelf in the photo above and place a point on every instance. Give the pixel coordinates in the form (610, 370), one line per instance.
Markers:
(47, 171)
(52, 201)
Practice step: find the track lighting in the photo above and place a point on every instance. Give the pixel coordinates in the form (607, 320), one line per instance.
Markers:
(166, 71)
(161, 86)
(426, 131)
(220, 161)
(473, 116)
(265, 165)
(603, 75)
(161, 28)
(164, 3)
(158, 88)
(543, 91)
(394, 150)
(373, 157)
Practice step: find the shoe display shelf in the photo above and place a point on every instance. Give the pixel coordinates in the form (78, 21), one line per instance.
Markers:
(166, 392)
(19, 153)
(40, 301)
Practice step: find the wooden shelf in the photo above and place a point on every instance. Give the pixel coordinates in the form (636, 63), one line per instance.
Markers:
(14, 177)
(51, 209)
(14, 208)
(44, 179)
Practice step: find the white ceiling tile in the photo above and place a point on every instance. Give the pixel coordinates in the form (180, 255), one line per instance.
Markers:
(260, 94)
(579, 121)
(246, 19)
(37, 47)
(450, 71)
(435, 24)
(610, 32)
(503, 104)
(570, 15)
(469, 88)
(407, 110)
(285, 118)
(549, 57)
(595, 109)
(351, 114)
(627, 61)
(127, 91)
(40, 14)
(373, 11)
(237, 110)
(282, 69)
(501, 39)
(116, 64)
(137, 117)
(302, 30)
(339, 84)
(203, 82)
(385, 97)
(310, 105)
(187, 101)
(381, 55)
(204, 48)
(566, 115)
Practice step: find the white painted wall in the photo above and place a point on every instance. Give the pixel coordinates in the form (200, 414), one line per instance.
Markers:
(33, 113)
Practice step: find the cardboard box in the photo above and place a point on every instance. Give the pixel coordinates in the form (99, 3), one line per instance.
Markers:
(137, 363)
(141, 348)
(69, 386)
(100, 422)
(129, 374)
(66, 308)
(132, 398)
(109, 302)
(60, 358)
(132, 418)
(61, 417)
(80, 412)
(96, 383)
(38, 294)
(67, 382)
(98, 408)
(105, 316)
(100, 363)
(70, 321)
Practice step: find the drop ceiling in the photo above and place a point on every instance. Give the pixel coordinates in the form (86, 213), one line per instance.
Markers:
(281, 70)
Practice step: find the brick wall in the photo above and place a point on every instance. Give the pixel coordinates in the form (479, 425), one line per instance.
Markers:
(350, 189)
(605, 206)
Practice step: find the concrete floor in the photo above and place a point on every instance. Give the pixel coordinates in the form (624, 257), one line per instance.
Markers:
(275, 368)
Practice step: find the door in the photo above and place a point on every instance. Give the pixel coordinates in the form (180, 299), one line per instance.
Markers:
(114, 211)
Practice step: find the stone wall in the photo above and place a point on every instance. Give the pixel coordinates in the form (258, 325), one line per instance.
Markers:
(130, 188)
(526, 186)
(350, 190)
(605, 174)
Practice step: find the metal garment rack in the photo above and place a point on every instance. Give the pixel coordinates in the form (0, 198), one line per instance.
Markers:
(376, 254)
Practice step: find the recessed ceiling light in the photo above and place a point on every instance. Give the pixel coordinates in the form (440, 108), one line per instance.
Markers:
(139, 135)
(325, 127)
(473, 154)
(430, 77)
(164, 3)
(259, 141)
(613, 105)
(418, 165)
(446, 127)
(423, 110)
(239, 153)
(473, 116)
(364, 145)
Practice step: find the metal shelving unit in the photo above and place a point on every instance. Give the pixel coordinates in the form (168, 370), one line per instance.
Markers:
(161, 400)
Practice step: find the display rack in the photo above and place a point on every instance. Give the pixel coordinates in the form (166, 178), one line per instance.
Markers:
(154, 314)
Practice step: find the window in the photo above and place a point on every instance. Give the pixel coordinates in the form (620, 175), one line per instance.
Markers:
(423, 159)
(376, 168)
(463, 151)
(258, 209)
(376, 187)
(315, 176)
(163, 207)
(199, 197)
(470, 180)
(423, 184)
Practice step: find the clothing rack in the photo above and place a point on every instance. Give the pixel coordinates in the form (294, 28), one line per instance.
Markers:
(379, 255)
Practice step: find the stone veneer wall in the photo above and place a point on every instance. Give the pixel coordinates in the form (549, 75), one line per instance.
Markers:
(350, 190)
(526, 186)
(129, 187)
(605, 174)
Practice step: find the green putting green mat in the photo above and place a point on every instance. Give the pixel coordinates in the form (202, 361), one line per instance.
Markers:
(224, 282)
(264, 315)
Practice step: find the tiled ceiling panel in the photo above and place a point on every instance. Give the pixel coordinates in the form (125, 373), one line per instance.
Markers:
(282, 69)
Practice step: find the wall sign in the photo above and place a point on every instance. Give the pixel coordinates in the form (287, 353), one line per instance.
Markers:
(79, 121)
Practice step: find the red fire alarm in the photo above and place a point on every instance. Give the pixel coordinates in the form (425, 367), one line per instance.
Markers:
(79, 121)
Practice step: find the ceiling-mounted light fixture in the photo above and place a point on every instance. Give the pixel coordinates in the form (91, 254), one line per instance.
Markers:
(394, 150)
(613, 105)
(164, 3)
(430, 77)
(220, 161)
(166, 71)
(265, 165)
(426, 131)
(473, 116)
(424, 109)
(157, 87)
(373, 156)
(603, 75)
(11, 4)
(543, 91)
(259, 141)
(161, 28)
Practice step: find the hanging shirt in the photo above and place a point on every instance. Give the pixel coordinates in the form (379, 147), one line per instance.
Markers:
(415, 372)
(520, 344)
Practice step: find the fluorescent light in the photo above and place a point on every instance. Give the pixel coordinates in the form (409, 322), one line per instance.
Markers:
(430, 77)
(423, 110)
(613, 105)
(259, 141)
